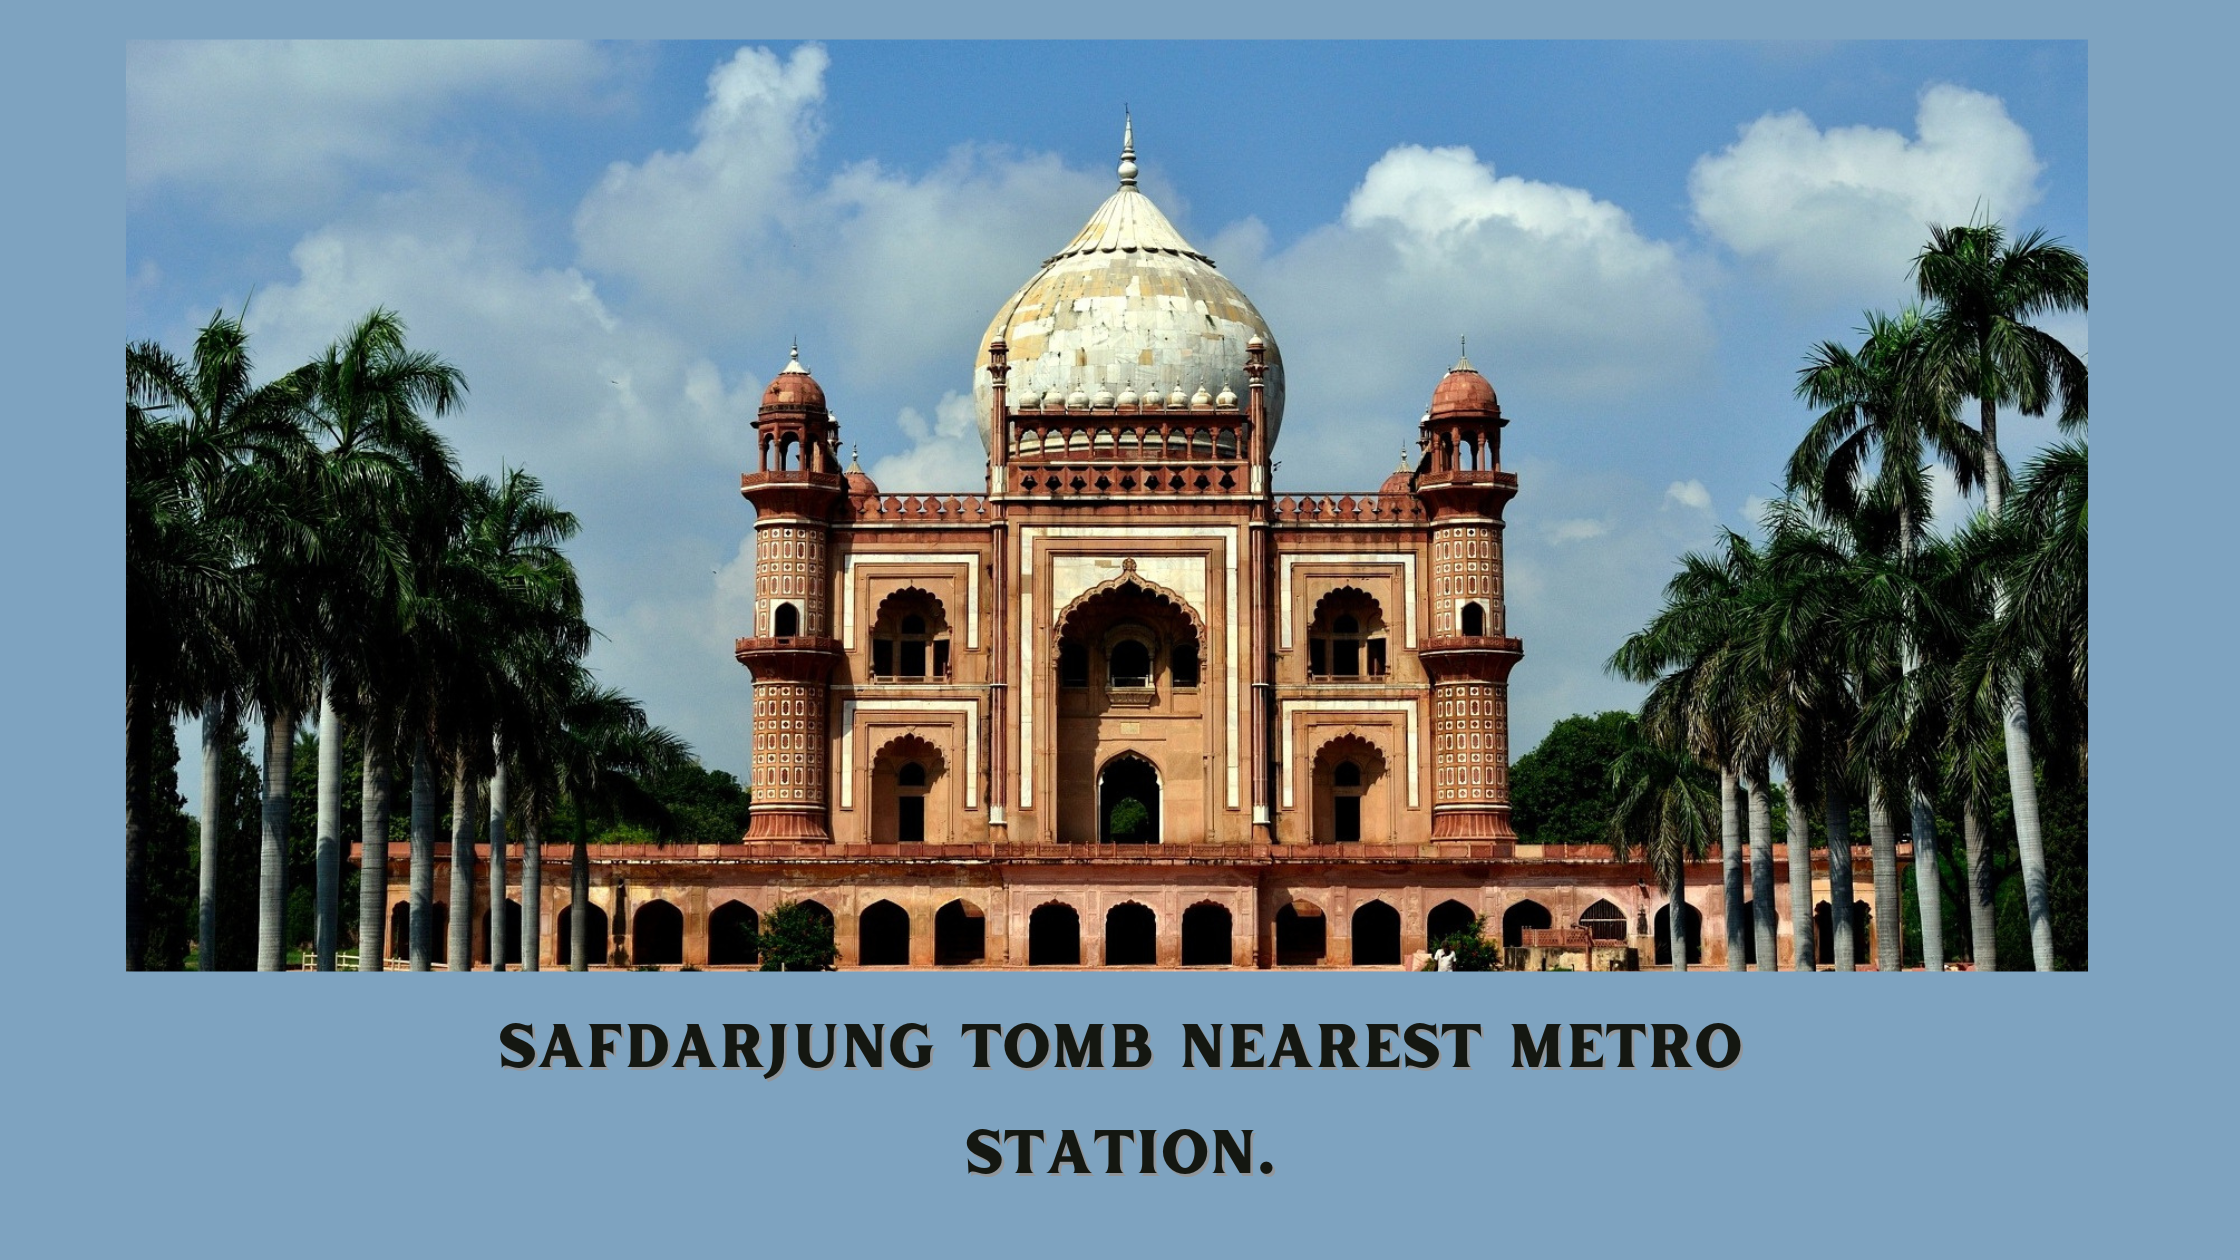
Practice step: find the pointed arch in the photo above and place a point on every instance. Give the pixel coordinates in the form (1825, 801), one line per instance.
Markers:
(1376, 935)
(1130, 587)
(1526, 914)
(1604, 921)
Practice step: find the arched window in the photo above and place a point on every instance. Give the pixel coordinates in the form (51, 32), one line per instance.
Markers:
(1182, 662)
(785, 623)
(1604, 922)
(657, 935)
(1128, 664)
(960, 935)
(1302, 935)
(1205, 936)
(731, 935)
(910, 637)
(1376, 936)
(883, 936)
(1347, 637)
(1054, 936)
(1352, 798)
(1473, 619)
(1523, 916)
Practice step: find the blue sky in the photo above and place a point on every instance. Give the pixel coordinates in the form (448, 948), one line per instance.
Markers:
(616, 243)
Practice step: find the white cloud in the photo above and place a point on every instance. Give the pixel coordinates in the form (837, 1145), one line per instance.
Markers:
(1578, 530)
(1838, 214)
(945, 455)
(1688, 494)
(1564, 301)
(273, 126)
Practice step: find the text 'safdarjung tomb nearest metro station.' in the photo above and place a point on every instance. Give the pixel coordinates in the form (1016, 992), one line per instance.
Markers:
(1130, 706)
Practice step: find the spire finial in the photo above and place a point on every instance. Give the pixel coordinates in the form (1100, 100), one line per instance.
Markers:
(1403, 458)
(793, 359)
(853, 466)
(1463, 364)
(1127, 148)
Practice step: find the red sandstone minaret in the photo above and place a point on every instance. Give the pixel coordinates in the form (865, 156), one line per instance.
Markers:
(792, 650)
(1469, 654)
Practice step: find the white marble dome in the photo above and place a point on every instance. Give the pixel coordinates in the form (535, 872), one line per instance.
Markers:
(1127, 305)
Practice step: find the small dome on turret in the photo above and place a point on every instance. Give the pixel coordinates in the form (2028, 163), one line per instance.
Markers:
(793, 389)
(1463, 392)
(1402, 481)
(860, 484)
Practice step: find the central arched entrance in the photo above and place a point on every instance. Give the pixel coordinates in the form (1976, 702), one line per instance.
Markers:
(1128, 801)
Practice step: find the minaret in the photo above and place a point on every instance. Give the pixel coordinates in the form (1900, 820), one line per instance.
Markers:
(1469, 654)
(792, 650)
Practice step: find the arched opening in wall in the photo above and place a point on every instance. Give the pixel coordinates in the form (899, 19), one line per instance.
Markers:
(513, 935)
(1446, 919)
(1346, 639)
(594, 932)
(883, 936)
(1473, 619)
(907, 793)
(1691, 926)
(1604, 922)
(1205, 936)
(1182, 664)
(400, 930)
(439, 936)
(787, 446)
(1466, 455)
(1351, 793)
(1054, 936)
(1749, 933)
(1824, 935)
(1376, 936)
(657, 935)
(1131, 936)
(1128, 801)
(785, 621)
(910, 636)
(960, 935)
(1073, 665)
(1523, 916)
(1302, 935)
(731, 935)
(1128, 664)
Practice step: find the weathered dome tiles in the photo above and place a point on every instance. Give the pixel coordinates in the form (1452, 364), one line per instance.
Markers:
(1127, 305)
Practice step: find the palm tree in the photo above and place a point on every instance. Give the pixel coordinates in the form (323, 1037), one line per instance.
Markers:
(1985, 291)
(378, 457)
(197, 433)
(1665, 806)
(1693, 651)
(596, 753)
(1884, 413)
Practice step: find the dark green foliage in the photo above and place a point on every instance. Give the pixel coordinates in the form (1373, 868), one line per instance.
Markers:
(703, 806)
(1129, 817)
(168, 856)
(796, 938)
(1471, 950)
(1560, 792)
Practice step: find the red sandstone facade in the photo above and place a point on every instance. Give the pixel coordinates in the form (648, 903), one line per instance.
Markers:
(1130, 707)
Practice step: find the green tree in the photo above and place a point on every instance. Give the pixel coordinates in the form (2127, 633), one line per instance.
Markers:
(1668, 807)
(794, 937)
(1560, 792)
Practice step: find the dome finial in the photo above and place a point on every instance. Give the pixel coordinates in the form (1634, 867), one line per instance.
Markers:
(1463, 364)
(1127, 148)
(793, 360)
(853, 466)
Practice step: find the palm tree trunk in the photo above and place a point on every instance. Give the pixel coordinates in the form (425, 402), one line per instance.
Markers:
(1882, 841)
(579, 900)
(2022, 778)
(272, 859)
(1843, 948)
(1730, 860)
(373, 864)
(1801, 952)
(462, 866)
(1766, 920)
(326, 909)
(423, 871)
(1928, 881)
(498, 863)
(217, 741)
(532, 888)
(1983, 926)
(1676, 913)
(139, 764)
